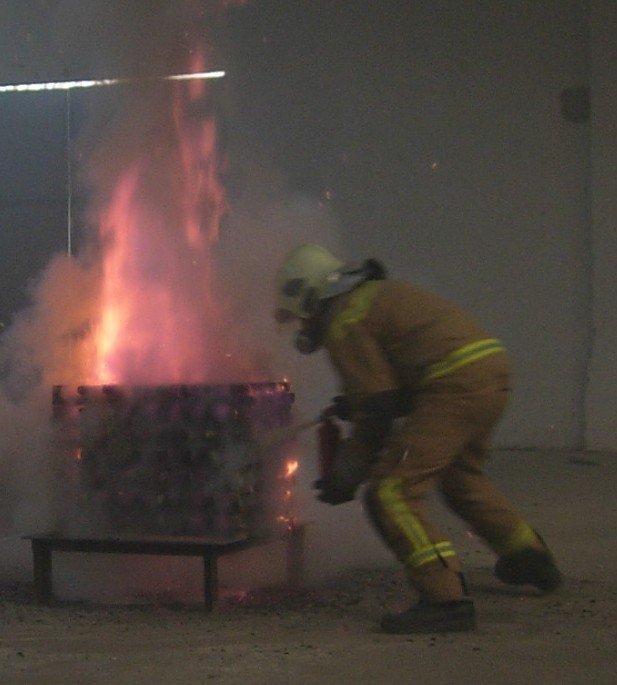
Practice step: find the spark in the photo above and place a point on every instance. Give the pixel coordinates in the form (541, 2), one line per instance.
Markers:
(291, 468)
(98, 83)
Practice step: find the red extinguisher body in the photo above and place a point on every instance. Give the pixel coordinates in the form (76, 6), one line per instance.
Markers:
(329, 435)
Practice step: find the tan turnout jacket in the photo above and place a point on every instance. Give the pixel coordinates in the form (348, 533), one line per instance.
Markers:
(388, 334)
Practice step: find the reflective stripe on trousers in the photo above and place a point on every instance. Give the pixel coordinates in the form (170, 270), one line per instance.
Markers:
(423, 551)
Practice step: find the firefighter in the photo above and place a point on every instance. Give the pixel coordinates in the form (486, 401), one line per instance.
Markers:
(423, 386)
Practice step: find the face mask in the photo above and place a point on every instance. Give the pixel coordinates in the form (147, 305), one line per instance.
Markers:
(310, 338)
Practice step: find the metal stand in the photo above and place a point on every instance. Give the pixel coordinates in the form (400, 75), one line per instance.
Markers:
(208, 549)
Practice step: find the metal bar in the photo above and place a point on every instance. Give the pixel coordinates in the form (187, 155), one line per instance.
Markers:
(69, 178)
(98, 83)
(158, 546)
(41, 559)
(295, 555)
(211, 581)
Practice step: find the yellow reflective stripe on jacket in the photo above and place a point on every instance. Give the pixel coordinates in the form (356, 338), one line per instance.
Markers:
(440, 550)
(462, 357)
(391, 498)
(359, 302)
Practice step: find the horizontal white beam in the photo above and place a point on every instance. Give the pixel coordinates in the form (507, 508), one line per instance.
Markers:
(98, 83)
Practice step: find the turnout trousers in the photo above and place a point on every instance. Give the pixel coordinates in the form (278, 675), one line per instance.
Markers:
(443, 444)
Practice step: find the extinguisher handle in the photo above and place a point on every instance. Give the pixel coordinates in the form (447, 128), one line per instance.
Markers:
(328, 413)
(329, 433)
(339, 408)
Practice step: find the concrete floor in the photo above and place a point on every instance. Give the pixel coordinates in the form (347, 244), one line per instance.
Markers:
(327, 632)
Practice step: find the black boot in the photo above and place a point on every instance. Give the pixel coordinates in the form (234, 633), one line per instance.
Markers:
(432, 617)
(529, 567)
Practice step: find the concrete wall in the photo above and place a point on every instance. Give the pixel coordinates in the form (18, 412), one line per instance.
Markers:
(482, 188)
(465, 173)
(601, 399)
(32, 190)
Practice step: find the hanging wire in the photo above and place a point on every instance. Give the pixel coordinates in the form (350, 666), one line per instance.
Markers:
(69, 176)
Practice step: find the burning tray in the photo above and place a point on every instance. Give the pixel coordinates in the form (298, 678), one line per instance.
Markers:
(176, 459)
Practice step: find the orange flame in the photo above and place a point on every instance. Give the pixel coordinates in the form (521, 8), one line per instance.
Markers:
(291, 467)
(159, 322)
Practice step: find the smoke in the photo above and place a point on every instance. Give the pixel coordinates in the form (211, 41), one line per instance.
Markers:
(266, 221)
(97, 38)
(36, 352)
(51, 342)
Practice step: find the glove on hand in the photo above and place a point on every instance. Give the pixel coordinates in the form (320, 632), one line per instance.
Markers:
(339, 407)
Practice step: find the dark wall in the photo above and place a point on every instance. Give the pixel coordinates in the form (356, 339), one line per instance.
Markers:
(33, 190)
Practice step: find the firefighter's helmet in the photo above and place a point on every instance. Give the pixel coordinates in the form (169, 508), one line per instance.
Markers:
(303, 280)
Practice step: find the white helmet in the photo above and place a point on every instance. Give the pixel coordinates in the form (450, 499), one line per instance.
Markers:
(305, 277)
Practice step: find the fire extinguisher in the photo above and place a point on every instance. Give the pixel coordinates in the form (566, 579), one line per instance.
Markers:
(329, 437)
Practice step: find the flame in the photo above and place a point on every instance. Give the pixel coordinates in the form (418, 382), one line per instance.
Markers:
(287, 516)
(159, 321)
(291, 467)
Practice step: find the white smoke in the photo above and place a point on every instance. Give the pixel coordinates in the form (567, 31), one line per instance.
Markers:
(46, 344)
(36, 352)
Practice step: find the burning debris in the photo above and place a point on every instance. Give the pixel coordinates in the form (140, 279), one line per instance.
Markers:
(177, 459)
